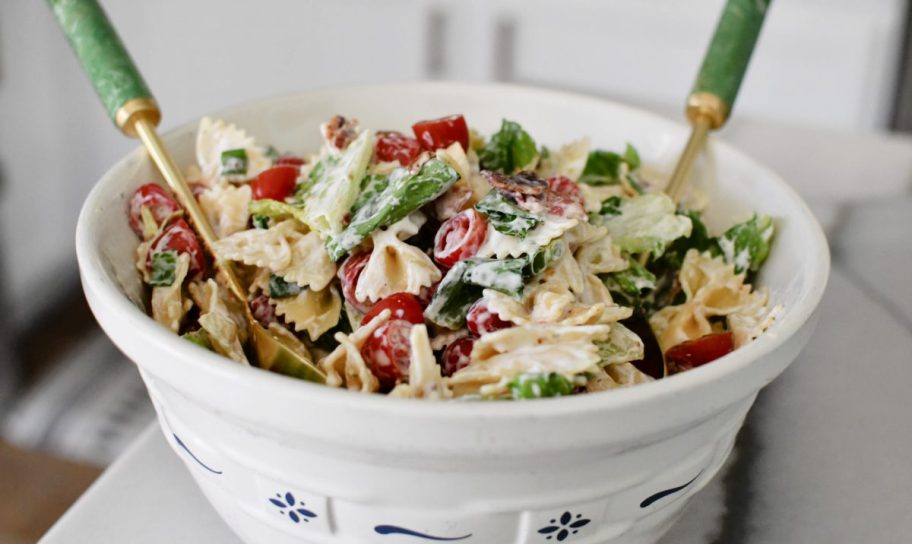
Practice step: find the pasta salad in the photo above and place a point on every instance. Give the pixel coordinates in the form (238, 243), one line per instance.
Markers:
(446, 265)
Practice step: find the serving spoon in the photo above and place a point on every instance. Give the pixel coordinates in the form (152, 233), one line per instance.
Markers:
(130, 105)
(708, 108)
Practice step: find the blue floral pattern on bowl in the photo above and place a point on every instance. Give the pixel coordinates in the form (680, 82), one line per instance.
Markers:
(295, 510)
(566, 525)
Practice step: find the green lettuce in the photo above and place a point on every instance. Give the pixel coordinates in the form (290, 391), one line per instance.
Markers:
(747, 244)
(509, 149)
(505, 216)
(604, 167)
(403, 194)
(535, 385)
(647, 223)
(463, 285)
(164, 266)
(333, 186)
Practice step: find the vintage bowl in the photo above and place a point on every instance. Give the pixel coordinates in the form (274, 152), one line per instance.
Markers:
(286, 461)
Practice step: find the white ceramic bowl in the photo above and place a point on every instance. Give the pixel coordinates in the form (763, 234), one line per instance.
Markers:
(287, 461)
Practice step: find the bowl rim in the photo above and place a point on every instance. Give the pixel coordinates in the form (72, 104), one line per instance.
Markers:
(96, 280)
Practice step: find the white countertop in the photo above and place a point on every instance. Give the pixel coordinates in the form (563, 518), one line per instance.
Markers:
(823, 456)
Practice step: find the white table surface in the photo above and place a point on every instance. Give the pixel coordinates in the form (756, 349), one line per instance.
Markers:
(824, 454)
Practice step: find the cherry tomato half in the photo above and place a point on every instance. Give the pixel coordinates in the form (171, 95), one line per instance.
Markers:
(276, 183)
(157, 200)
(440, 133)
(401, 305)
(693, 353)
(348, 274)
(481, 320)
(460, 237)
(387, 352)
(178, 237)
(457, 356)
(395, 146)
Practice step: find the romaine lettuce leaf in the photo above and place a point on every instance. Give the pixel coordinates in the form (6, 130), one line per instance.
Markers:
(505, 216)
(535, 385)
(333, 186)
(509, 149)
(463, 285)
(631, 284)
(646, 223)
(403, 194)
(747, 244)
(164, 266)
(604, 167)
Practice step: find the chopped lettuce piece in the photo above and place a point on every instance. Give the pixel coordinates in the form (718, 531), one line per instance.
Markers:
(463, 284)
(164, 265)
(509, 149)
(544, 256)
(647, 223)
(234, 162)
(279, 288)
(260, 221)
(199, 337)
(371, 186)
(505, 216)
(747, 244)
(631, 284)
(623, 345)
(275, 210)
(535, 385)
(605, 167)
(403, 194)
(333, 186)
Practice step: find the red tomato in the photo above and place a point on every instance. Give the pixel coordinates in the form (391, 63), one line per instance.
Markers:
(395, 146)
(457, 356)
(263, 310)
(401, 305)
(180, 238)
(481, 320)
(693, 353)
(564, 198)
(290, 160)
(157, 200)
(387, 352)
(276, 183)
(460, 237)
(349, 273)
(440, 133)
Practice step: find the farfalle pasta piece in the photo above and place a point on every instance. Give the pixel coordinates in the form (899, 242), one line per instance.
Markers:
(562, 295)
(313, 311)
(569, 160)
(466, 165)
(712, 289)
(344, 366)
(594, 195)
(298, 257)
(425, 380)
(225, 206)
(226, 328)
(215, 136)
(600, 256)
(504, 354)
(394, 266)
(168, 303)
(622, 346)
(753, 319)
(502, 246)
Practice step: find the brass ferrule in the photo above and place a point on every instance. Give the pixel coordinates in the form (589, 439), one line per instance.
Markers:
(127, 114)
(707, 106)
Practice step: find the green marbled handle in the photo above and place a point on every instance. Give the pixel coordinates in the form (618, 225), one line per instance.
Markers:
(730, 50)
(102, 54)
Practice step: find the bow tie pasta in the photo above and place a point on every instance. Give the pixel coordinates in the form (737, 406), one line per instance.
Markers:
(439, 264)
